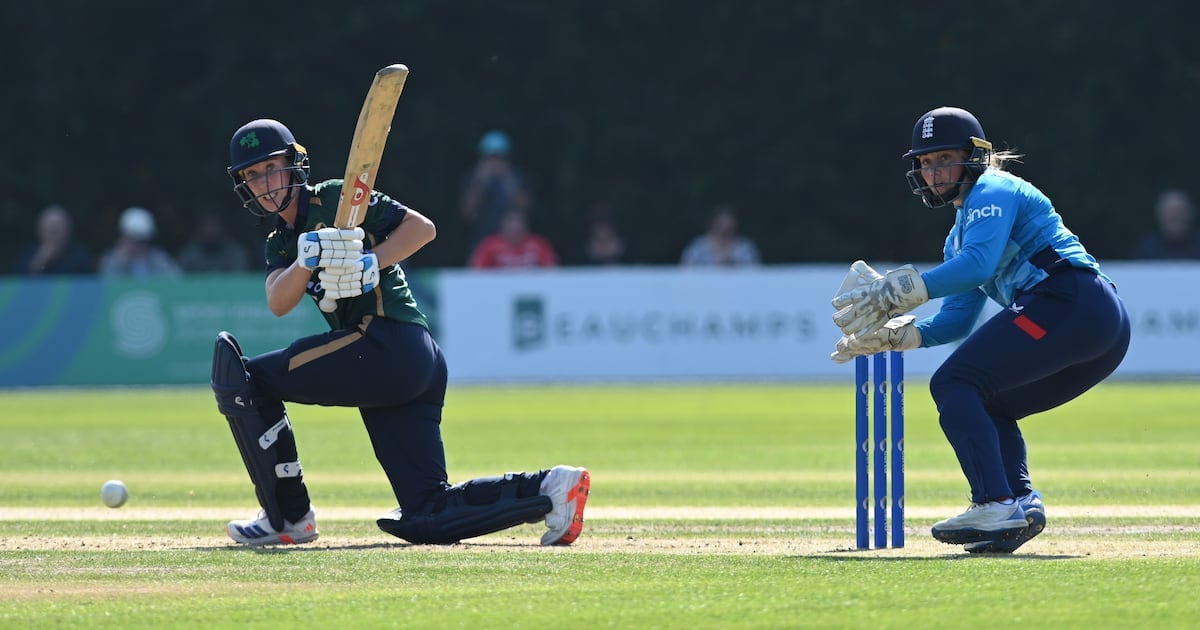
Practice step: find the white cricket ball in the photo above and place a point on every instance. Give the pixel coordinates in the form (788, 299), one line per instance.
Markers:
(114, 493)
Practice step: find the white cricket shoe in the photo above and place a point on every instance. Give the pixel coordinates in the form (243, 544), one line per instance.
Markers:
(568, 489)
(1035, 518)
(982, 521)
(257, 532)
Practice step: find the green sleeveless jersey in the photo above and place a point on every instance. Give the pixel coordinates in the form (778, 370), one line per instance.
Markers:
(392, 298)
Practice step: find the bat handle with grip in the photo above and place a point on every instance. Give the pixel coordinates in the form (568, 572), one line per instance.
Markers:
(328, 304)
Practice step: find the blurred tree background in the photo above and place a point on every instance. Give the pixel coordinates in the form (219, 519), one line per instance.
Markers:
(795, 112)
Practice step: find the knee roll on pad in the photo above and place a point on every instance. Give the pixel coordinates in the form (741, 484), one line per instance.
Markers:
(230, 382)
(470, 509)
(262, 444)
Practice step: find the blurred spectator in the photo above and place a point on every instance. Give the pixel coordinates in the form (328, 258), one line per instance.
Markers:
(513, 247)
(721, 245)
(1175, 238)
(493, 187)
(211, 249)
(134, 254)
(603, 244)
(56, 251)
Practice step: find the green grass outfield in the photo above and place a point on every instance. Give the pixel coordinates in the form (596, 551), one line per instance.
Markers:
(712, 506)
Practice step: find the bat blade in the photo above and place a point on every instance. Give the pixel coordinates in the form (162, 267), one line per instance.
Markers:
(366, 149)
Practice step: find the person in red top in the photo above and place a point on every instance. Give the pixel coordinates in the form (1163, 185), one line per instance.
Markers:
(513, 247)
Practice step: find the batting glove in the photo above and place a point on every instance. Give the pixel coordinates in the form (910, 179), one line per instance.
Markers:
(329, 247)
(899, 334)
(361, 276)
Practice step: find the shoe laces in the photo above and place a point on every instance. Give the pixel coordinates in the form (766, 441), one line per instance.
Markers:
(974, 505)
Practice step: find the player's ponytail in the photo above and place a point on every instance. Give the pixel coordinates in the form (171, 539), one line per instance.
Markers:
(999, 159)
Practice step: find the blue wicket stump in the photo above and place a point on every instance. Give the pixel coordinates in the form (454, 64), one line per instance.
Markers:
(872, 387)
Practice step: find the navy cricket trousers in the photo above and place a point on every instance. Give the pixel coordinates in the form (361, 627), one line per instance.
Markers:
(394, 373)
(1055, 342)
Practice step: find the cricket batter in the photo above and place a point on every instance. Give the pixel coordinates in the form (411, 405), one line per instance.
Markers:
(378, 356)
(1063, 330)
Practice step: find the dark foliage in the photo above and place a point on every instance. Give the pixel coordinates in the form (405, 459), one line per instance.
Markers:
(796, 112)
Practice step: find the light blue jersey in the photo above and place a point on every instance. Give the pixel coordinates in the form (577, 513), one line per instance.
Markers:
(1003, 222)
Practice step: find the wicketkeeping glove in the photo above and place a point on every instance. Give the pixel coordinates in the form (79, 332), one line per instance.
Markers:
(329, 247)
(860, 275)
(899, 333)
(359, 277)
(865, 309)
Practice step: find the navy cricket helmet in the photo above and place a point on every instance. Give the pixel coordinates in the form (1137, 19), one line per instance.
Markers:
(943, 129)
(259, 140)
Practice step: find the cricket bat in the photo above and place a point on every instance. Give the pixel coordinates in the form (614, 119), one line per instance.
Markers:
(366, 150)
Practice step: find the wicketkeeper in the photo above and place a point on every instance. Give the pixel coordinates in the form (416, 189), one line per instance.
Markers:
(1063, 329)
(378, 356)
